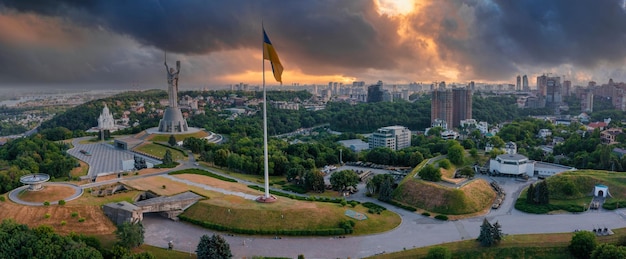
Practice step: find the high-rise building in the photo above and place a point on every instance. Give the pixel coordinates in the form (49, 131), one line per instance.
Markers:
(441, 106)
(518, 85)
(525, 84)
(586, 101)
(542, 82)
(375, 93)
(462, 105)
(567, 88)
(553, 90)
(393, 137)
(451, 106)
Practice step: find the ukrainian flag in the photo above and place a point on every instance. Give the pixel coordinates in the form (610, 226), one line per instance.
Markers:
(269, 53)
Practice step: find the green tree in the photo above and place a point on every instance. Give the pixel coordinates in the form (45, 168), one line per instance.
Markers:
(386, 189)
(530, 194)
(608, 251)
(542, 194)
(167, 158)
(496, 232)
(430, 173)
(489, 234)
(444, 163)
(214, 247)
(467, 171)
(172, 140)
(582, 244)
(314, 180)
(456, 154)
(439, 252)
(130, 234)
(342, 179)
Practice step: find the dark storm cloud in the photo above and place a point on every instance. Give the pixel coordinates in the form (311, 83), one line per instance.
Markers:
(480, 39)
(320, 35)
(508, 34)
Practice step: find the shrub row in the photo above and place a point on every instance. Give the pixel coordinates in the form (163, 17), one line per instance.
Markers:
(522, 205)
(294, 188)
(614, 204)
(205, 173)
(373, 207)
(172, 165)
(441, 217)
(183, 152)
(301, 198)
(398, 204)
(284, 232)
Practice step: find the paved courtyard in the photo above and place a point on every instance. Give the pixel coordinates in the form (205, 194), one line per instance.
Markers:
(104, 158)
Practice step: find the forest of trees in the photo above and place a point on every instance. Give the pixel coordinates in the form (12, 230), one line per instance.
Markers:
(32, 155)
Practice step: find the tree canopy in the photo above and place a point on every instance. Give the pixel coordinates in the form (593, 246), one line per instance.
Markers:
(342, 179)
(582, 244)
(214, 247)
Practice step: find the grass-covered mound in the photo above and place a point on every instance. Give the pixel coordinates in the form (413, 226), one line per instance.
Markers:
(472, 197)
(284, 217)
(572, 191)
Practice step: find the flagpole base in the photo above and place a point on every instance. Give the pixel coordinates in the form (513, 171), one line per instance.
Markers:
(263, 199)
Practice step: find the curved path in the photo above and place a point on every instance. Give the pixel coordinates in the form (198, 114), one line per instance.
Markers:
(14, 194)
(414, 231)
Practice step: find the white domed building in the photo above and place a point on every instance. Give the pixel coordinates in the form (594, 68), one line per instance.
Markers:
(105, 120)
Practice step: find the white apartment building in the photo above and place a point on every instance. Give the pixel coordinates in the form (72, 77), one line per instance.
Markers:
(394, 137)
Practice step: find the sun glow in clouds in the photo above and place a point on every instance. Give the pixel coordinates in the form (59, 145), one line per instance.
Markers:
(395, 7)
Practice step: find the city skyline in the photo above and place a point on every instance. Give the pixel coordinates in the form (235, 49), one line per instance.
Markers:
(122, 43)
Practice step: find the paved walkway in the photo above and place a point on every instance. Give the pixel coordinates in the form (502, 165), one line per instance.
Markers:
(14, 194)
(210, 188)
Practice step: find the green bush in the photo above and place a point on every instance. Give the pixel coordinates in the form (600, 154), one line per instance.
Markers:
(61, 202)
(2, 198)
(47, 215)
(373, 208)
(294, 188)
(614, 204)
(522, 205)
(81, 219)
(74, 214)
(441, 217)
(426, 214)
(397, 204)
(46, 203)
(63, 222)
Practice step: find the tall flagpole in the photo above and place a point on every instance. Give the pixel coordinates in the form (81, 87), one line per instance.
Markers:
(265, 152)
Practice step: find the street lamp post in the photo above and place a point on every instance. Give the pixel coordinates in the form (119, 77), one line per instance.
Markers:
(341, 156)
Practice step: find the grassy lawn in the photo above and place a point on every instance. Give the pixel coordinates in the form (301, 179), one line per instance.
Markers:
(246, 177)
(553, 245)
(159, 151)
(81, 170)
(163, 253)
(572, 191)
(179, 137)
(471, 198)
(286, 214)
(514, 246)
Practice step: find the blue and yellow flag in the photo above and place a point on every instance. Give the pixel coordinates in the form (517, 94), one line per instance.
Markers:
(269, 53)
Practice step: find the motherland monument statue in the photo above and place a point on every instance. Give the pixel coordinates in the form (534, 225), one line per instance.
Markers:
(173, 120)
